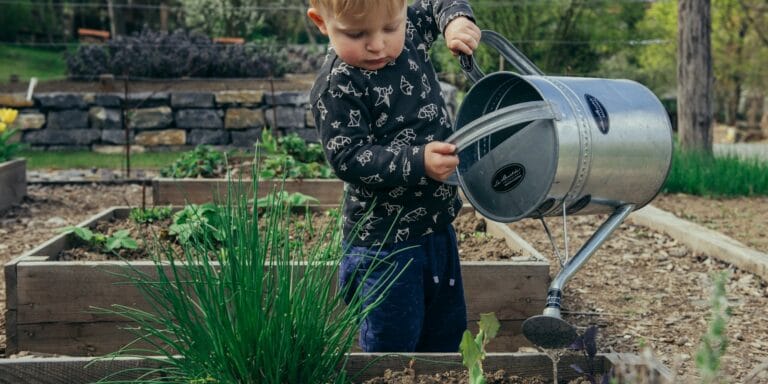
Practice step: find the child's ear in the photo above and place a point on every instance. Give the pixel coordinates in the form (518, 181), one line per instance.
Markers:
(317, 18)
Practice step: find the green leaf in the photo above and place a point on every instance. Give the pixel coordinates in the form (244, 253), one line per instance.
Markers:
(83, 233)
(489, 325)
(129, 243)
(470, 351)
(113, 243)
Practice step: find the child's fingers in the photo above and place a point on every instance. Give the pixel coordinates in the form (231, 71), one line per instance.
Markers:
(463, 43)
(441, 147)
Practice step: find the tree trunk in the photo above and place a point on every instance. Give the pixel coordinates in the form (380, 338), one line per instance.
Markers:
(694, 75)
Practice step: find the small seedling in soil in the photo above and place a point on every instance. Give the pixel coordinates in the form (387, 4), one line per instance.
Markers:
(473, 349)
(117, 241)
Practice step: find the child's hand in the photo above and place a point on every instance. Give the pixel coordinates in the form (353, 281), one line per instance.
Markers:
(462, 36)
(440, 160)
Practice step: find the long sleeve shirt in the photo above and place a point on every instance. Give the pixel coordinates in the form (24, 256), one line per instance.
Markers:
(374, 126)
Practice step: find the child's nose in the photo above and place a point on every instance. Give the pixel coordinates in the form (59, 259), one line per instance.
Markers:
(375, 44)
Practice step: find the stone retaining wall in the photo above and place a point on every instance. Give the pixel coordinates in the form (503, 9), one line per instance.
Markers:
(156, 121)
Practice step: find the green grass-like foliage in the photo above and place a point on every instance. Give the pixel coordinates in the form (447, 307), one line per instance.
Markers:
(702, 174)
(252, 317)
(37, 159)
(473, 349)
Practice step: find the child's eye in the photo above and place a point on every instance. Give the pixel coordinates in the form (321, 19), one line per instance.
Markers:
(354, 35)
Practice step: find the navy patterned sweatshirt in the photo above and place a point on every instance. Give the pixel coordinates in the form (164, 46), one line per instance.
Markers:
(374, 126)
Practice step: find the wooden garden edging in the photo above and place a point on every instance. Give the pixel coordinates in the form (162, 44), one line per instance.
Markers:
(72, 370)
(198, 191)
(701, 239)
(13, 182)
(50, 303)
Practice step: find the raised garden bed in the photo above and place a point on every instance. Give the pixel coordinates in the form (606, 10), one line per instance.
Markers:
(50, 302)
(13, 182)
(528, 367)
(198, 191)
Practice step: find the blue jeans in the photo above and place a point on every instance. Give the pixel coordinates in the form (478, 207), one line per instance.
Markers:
(424, 308)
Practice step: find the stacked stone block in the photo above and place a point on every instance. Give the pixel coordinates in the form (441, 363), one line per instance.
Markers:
(157, 121)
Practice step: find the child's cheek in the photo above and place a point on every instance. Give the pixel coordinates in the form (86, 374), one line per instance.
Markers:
(349, 54)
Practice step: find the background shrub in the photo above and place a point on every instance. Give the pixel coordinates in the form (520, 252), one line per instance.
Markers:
(181, 53)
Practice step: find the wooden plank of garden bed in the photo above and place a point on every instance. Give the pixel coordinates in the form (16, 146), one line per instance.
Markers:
(360, 367)
(69, 370)
(13, 182)
(369, 365)
(46, 289)
(198, 191)
(41, 253)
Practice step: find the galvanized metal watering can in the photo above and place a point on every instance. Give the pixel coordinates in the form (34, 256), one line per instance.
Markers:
(532, 145)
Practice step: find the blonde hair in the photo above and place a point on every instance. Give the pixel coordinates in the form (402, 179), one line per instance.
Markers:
(357, 8)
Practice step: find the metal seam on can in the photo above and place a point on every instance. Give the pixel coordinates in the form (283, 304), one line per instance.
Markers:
(585, 161)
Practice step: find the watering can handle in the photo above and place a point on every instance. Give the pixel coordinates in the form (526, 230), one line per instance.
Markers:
(507, 50)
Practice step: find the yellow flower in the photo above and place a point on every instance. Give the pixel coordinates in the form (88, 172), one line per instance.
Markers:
(8, 115)
(2, 127)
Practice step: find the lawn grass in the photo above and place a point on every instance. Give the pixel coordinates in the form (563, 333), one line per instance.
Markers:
(86, 159)
(26, 62)
(701, 174)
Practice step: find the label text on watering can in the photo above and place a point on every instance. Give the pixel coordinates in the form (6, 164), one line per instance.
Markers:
(508, 177)
(599, 113)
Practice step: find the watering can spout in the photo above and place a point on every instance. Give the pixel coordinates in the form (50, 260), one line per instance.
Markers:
(549, 330)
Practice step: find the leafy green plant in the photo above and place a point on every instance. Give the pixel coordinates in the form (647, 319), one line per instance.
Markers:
(203, 161)
(715, 341)
(253, 317)
(290, 156)
(302, 151)
(286, 166)
(150, 215)
(8, 150)
(119, 240)
(473, 349)
(197, 222)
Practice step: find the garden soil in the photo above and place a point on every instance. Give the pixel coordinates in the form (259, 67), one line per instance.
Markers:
(642, 288)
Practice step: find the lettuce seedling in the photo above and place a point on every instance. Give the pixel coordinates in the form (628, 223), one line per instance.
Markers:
(473, 349)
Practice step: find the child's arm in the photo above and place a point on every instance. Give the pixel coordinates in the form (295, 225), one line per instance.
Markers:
(431, 17)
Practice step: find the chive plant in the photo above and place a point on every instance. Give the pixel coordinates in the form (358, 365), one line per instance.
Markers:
(257, 315)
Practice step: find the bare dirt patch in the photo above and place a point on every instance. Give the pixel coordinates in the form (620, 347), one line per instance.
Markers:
(742, 218)
(642, 287)
(473, 240)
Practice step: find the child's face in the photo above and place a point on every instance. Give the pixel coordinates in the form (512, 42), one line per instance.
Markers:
(368, 41)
